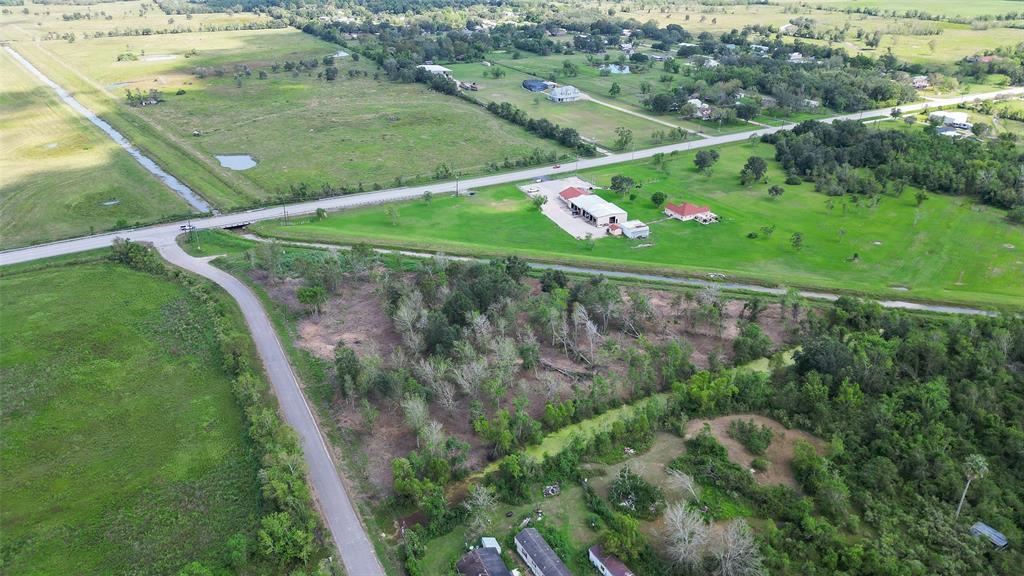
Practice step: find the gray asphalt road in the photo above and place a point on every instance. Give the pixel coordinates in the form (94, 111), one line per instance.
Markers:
(336, 508)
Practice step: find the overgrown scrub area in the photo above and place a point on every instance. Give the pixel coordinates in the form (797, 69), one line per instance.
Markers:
(138, 433)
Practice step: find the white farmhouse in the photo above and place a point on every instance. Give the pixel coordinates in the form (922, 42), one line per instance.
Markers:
(565, 94)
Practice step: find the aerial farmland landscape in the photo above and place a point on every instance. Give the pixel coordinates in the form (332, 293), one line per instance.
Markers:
(510, 287)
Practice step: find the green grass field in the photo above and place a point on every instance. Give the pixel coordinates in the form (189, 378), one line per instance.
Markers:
(123, 449)
(949, 249)
(299, 128)
(60, 176)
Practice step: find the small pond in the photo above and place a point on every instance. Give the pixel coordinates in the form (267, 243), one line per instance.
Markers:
(236, 161)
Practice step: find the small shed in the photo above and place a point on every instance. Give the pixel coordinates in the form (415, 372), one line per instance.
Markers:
(633, 229)
(490, 542)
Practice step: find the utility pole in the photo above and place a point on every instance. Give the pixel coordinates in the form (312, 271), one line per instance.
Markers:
(457, 176)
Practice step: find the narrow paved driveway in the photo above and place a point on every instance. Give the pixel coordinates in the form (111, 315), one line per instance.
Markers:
(357, 553)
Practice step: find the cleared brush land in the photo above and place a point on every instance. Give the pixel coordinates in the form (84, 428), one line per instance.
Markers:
(124, 450)
(60, 176)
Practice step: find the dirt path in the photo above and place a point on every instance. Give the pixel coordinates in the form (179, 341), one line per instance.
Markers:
(779, 453)
(644, 116)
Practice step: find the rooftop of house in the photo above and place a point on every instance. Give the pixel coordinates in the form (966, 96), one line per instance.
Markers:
(687, 209)
(611, 562)
(542, 555)
(482, 562)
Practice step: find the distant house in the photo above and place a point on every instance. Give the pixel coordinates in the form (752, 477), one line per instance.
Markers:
(700, 109)
(711, 63)
(608, 564)
(759, 48)
(482, 562)
(685, 212)
(920, 82)
(994, 536)
(658, 57)
(798, 58)
(596, 210)
(565, 94)
(960, 120)
(810, 103)
(436, 70)
(541, 559)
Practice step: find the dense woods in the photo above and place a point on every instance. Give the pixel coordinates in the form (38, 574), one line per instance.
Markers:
(831, 154)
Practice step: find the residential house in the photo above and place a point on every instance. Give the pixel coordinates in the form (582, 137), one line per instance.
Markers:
(482, 562)
(920, 82)
(759, 48)
(960, 120)
(685, 212)
(711, 63)
(700, 109)
(565, 94)
(608, 564)
(541, 559)
(810, 103)
(596, 210)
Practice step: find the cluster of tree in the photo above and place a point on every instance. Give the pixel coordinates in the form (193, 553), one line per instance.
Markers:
(635, 496)
(544, 128)
(138, 98)
(755, 438)
(831, 153)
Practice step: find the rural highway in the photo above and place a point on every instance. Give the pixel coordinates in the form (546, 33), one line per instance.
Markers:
(353, 545)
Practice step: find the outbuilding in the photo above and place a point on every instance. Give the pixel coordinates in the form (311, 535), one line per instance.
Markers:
(596, 210)
(482, 562)
(633, 229)
(994, 536)
(538, 555)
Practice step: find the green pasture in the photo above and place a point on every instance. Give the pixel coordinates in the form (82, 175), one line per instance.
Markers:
(60, 176)
(594, 122)
(123, 449)
(948, 249)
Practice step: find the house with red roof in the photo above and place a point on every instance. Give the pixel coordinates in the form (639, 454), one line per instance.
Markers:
(686, 211)
(570, 193)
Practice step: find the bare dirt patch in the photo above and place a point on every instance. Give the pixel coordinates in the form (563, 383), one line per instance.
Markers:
(779, 453)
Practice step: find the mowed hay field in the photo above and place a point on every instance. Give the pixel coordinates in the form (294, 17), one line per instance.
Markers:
(949, 249)
(123, 450)
(299, 128)
(60, 176)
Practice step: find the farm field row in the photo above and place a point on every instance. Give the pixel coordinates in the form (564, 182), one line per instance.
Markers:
(123, 445)
(948, 249)
(60, 176)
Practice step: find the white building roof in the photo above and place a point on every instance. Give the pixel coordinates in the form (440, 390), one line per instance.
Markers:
(489, 542)
(634, 224)
(434, 68)
(563, 91)
(597, 207)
